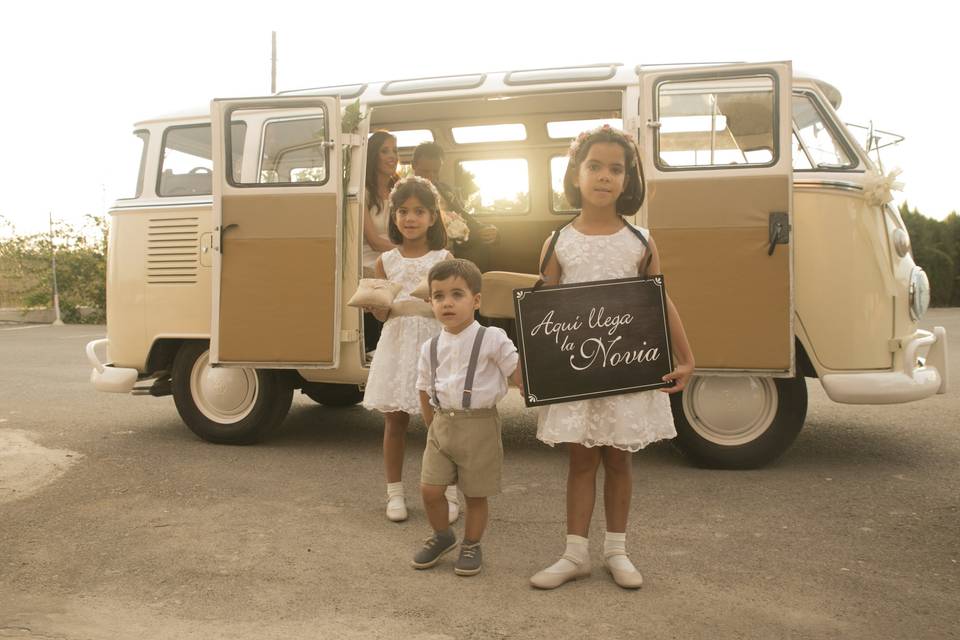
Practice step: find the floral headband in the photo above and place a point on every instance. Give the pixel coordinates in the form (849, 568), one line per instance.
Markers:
(417, 179)
(604, 129)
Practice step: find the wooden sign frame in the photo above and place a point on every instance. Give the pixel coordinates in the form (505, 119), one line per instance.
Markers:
(563, 330)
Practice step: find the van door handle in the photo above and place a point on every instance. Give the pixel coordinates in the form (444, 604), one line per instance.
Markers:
(223, 230)
(779, 230)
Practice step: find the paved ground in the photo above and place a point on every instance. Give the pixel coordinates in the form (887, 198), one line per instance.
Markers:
(116, 522)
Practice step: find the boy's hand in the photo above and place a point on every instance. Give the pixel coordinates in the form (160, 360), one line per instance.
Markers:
(517, 378)
(680, 375)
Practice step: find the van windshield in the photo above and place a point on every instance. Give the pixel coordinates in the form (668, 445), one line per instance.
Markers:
(815, 145)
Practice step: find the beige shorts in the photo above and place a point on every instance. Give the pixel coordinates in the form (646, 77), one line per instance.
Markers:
(464, 447)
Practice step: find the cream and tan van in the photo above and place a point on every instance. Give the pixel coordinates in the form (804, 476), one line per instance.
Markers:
(228, 272)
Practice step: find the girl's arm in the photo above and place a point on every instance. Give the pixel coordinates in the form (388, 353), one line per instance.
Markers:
(426, 409)
(678, 336)
(551, 273)
(380, 313)
(370, 234)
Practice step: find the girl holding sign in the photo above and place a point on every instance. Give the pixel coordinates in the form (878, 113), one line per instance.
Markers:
(605, 180)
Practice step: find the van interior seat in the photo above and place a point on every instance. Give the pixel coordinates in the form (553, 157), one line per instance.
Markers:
(194, 183)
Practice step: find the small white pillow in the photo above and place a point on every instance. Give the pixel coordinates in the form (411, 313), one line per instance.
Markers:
(422, 291)
(373, 292)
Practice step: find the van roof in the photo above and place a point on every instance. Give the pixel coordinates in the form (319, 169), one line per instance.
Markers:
(497, 83)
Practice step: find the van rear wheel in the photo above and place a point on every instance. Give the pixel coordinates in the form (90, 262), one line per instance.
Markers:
(738, 422)
(227, 405)
(333, 395)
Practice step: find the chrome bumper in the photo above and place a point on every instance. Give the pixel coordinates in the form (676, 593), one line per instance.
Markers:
(105, 377)
(917, 378)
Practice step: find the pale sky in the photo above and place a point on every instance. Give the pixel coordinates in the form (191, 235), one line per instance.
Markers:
(77, 76)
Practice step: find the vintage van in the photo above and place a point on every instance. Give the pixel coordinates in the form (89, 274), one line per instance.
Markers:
(228, 272)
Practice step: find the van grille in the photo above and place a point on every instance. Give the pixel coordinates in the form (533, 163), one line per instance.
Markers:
(173, 250)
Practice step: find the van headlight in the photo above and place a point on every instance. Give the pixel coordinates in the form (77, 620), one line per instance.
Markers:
(919, 293)
(901, 241)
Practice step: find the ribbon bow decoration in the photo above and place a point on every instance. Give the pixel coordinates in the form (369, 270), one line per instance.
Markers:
(878, 188)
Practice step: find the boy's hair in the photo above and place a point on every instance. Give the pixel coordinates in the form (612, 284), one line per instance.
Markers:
(634, 188)
(428, 151)
(426, 193)
(456, 268)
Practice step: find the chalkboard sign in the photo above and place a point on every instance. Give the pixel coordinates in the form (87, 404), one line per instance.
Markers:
(592, 339)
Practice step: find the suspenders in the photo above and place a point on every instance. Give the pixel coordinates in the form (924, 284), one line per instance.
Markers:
(471, 368)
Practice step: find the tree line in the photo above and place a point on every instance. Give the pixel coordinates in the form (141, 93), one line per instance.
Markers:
(936, 248)
(26, 270)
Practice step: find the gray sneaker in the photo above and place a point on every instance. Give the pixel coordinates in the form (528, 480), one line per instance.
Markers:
(471, 557)
(433, 549)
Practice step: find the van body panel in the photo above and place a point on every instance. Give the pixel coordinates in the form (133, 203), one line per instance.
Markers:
(728, 327)
(126, 289)
(156, 281)
(270, 309)
(845, 290)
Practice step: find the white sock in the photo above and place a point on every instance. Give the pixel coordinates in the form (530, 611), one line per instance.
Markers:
(577, 547)
(394, 489)
(451, 494)
(615, 551)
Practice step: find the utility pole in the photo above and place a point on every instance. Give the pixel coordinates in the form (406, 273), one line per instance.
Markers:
(53, 257)
(273, 62)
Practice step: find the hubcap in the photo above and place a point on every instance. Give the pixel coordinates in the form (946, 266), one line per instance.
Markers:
(222, 394)
(730, 411)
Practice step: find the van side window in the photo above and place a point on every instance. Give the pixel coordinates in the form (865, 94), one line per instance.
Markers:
(186, 166)
(294, 151)
(815, 145)
(720, 122)
(558, 200)
(495, 187)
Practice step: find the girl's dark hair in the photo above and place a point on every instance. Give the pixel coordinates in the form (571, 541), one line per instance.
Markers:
(426, 193)
(634, 188)
(374, 142)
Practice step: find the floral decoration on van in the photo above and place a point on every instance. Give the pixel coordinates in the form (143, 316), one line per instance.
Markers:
(878, 188)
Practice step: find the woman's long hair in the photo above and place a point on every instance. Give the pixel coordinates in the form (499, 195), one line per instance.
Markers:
(374, 143)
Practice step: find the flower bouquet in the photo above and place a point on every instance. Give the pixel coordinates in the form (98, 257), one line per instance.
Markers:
(457, 229)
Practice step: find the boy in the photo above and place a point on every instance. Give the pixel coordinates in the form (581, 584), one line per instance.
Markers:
(462, 374)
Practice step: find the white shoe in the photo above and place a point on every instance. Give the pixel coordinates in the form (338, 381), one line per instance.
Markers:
(626, 578)
(553, 579)
(396, 509)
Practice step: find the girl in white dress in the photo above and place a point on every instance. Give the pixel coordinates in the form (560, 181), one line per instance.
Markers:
(605, 180)
(416, 226)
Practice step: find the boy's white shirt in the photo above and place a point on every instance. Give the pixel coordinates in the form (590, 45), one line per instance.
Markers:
(496, 362)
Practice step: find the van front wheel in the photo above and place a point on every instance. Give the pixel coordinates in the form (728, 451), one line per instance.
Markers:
(227, 405)
(738, 422)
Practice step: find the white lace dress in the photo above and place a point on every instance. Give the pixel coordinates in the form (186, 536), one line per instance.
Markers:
(392, 382)
(629, 421)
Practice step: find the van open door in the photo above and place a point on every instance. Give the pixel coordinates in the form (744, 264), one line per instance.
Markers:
(278, 232)
(716, 147)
